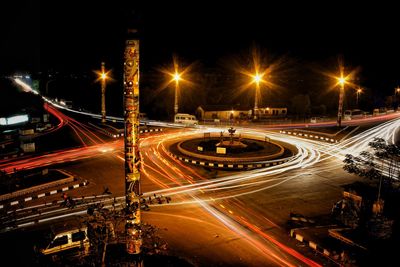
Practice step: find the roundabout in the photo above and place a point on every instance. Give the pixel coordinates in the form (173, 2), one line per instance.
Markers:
(231, 152)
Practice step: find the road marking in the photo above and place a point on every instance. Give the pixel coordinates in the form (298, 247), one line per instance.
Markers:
(53, 192)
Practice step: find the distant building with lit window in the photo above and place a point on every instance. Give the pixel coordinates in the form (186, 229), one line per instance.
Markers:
(236, 112)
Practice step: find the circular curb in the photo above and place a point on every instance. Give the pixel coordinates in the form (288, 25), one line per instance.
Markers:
(232, 166)
(234, 159)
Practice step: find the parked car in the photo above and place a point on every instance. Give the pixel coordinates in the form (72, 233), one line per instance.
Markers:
(71, 242)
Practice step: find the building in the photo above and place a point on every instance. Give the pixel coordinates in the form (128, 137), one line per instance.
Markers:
(237, 112)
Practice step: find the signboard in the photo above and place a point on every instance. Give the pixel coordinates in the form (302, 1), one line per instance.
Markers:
(221, 150)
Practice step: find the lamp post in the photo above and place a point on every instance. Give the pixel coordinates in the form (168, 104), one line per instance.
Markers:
(341, 81)
(176, 78)
(256, 79)
(103, 77)
(396, 93)
(359, 91)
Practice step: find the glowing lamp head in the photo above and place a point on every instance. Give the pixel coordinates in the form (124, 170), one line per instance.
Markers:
(176, 77)
(342, 80)
(257, 78)
(398, 89)
(103, 76)
(359, 90)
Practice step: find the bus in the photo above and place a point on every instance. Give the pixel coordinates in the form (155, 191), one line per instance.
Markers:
(186, 119)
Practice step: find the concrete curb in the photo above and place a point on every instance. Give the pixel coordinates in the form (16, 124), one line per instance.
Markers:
(116, 135)
(68, 179)
(310, 136)
(151, 130)
(232, 166)
(49, 193)
(13, 156)
(310, 243)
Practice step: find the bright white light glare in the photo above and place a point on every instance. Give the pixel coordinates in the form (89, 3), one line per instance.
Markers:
(177, 76)
(14, 120)
(342, 80)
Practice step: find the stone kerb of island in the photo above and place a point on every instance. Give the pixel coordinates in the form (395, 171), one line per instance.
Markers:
(238, 149)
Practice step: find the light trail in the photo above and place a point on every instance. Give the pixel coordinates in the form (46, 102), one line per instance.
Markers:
(194, 192)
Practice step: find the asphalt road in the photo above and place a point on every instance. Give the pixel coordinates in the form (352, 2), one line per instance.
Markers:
(226, 218)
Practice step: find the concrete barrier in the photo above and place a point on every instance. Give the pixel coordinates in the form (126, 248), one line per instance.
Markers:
(310, 136)
(36, 188)
(313, 245)
(53, 192)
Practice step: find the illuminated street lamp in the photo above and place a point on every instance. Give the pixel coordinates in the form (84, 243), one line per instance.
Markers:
(103, 78)
(176, 77)
(396, 93)
(341, 81)
(359, 91)
(257, 78)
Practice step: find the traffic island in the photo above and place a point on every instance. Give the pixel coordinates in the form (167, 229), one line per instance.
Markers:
(231, 153)
(39, 184)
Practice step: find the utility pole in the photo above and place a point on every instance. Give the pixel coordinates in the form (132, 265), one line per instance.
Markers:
(176, 97)
(342, 81)
(256, 100)
(103, 93)
(132, 156)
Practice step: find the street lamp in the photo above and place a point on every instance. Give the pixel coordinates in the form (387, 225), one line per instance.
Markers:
(103, 77)
(341, 82)
(257, 78)
(176, 77)
(396, 93)
(359, 91)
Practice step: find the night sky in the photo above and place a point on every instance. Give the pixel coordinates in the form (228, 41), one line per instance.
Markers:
(75, 36)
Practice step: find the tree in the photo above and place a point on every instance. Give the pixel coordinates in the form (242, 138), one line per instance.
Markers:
(381, 165)
(383, 162)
